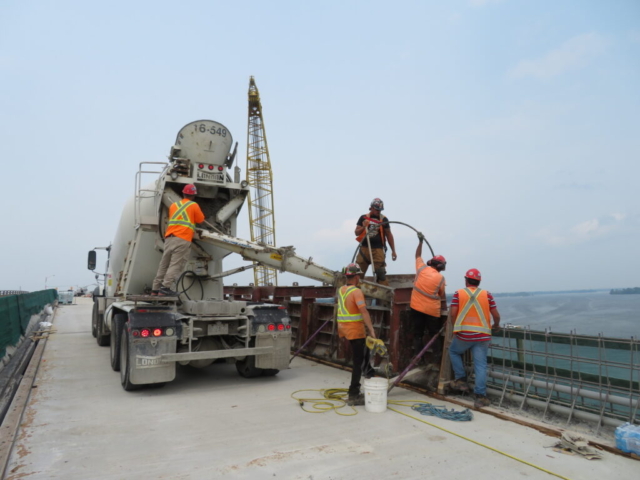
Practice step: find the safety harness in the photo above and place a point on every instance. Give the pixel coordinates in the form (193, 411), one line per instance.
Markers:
(364, 232)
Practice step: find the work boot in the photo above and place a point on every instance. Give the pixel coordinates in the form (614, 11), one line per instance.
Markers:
(459, 384)
(481, 401)
(355, 400)
(167, 292)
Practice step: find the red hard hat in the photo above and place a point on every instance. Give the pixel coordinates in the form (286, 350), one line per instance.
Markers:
(190, 189)
(473, 274)
(439, 258)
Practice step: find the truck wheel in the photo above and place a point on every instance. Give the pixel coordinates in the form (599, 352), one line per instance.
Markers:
(247, 367)
(118, 322)
(102, 338)
(270, 372)
(125, 367)
(94, 319)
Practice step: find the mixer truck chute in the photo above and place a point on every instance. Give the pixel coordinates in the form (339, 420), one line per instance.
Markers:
(148, 334)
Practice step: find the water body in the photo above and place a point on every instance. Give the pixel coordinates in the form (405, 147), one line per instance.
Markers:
(615, 316)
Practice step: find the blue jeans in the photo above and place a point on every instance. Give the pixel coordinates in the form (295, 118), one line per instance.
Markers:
(479, 351)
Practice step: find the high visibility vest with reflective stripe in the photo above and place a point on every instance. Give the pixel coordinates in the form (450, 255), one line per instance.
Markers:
(433, 295)
(343, 313)
(474, 311)
(181, 217)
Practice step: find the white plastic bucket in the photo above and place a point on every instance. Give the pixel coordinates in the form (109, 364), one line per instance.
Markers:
(375, 394)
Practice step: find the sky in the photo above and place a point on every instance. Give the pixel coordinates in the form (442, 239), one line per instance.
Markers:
(508, 132)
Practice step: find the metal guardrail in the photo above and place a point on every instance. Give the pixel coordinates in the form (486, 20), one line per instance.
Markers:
(6, 293)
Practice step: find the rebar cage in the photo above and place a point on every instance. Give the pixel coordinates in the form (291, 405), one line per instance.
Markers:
(581, 377)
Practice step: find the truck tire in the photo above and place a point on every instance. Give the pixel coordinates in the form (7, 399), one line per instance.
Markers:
(125, 367)
(270, 372)
(247, 367)
(118, 322)
(102, 338)
(94, 320)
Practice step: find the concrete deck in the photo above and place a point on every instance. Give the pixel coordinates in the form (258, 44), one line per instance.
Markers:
(211, 423)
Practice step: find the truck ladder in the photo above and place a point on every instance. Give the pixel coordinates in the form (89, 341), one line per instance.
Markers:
(123, 282)
(146, 222)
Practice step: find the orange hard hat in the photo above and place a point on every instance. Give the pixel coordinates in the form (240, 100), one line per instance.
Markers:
(190, 189)
(473, 274)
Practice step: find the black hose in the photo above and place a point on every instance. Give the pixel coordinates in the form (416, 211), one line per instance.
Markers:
(399, 223)
(423, 238)
(180, 282)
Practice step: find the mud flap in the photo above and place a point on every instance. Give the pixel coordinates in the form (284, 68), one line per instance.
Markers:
(144, 359)
(281, 343)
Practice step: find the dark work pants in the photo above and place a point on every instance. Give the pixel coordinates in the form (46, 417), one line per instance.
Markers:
(422, 322)
(360, 354)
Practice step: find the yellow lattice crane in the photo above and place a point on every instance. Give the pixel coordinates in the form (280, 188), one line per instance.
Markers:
(261, 209)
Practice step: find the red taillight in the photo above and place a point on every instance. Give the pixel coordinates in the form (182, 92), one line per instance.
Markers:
(281, 327)
(288, 327)
(220, 168)
(157, 332)
(282, 307)
(210, 167)
(271, 327)
(135, 333)
(145, 332)
(201, 166)
(142, 310)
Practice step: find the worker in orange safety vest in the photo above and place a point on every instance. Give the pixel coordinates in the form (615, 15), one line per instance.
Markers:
(471, 308)
(428, 299)
(183, 216)
(353, 317)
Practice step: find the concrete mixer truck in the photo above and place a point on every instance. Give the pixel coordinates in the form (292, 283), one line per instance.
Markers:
(149, 334)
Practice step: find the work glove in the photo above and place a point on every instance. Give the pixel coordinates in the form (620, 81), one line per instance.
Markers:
(420, 237)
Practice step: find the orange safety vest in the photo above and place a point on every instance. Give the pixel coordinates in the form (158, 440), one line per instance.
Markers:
(427, 287)
(350, 321)
(183, 216)
(360, 237)
(474, 311)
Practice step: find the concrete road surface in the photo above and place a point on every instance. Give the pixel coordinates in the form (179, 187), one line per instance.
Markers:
(211, 423)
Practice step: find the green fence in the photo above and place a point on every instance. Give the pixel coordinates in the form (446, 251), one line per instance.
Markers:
(16, 312)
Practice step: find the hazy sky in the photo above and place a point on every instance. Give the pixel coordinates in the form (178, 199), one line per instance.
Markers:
(507, 131)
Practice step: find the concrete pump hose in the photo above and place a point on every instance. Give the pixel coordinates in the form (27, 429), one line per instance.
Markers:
(399, 223)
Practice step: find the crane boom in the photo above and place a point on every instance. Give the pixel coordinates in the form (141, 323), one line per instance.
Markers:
(260, 179)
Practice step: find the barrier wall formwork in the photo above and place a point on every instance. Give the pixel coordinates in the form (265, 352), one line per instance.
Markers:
(309, 307)
(576, 377)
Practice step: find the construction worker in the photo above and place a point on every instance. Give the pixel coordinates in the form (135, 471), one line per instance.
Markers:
(428, 299)
(373, 228)
(183, 216)
(469, 314)
(353, 317)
